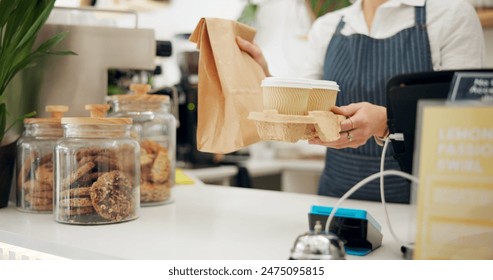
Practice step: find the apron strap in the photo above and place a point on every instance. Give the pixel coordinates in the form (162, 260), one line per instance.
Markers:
(340, 25)
(420, 16)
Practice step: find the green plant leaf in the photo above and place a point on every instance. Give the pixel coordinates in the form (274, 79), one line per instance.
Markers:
(17, 24)
(38, 23)
(21, 118)
(26, 62)
(43, 49)
(321, 7)
(248, 14)
(6, 8)
(20, 22)
(48, 44)
(21, 28)
(62, 53)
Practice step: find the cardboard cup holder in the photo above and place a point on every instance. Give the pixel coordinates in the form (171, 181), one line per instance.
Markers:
(297, 109)
(291, 128)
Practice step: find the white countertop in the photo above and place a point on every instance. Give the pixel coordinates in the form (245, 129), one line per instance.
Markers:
(257, 168)
(214, 174)
(261, 167)
(204, 222)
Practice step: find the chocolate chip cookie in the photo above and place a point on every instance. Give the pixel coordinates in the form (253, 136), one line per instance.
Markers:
(112, 196)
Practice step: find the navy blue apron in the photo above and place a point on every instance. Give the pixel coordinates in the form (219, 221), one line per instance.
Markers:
(362, 66)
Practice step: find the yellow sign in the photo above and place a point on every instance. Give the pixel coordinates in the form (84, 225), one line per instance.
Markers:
(182, 179)
(455, 193)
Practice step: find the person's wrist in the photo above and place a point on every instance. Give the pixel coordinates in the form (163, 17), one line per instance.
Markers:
(382, 130)
(380, 140)
(383, 134)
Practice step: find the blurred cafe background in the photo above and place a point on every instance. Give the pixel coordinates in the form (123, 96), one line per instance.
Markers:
(146, 41)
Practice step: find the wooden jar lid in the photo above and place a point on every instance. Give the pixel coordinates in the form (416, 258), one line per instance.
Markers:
(97, 117)
(56, 111)
(140, 95)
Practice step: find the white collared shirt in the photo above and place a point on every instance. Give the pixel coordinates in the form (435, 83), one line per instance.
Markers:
(454, 31)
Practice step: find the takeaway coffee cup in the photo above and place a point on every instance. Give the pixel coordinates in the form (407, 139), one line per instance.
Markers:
(288, 96)
(323, 95)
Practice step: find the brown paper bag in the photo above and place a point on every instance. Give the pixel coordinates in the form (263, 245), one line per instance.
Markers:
(228, 89)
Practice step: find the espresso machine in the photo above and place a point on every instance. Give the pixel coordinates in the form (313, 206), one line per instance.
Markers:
(76, 80)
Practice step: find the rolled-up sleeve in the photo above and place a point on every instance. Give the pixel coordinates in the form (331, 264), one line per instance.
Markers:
(462, 43)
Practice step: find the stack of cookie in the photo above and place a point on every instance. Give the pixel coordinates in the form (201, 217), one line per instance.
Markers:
(97, 170)
(155, 180)
(155, 129)
(35, 161)
(100, 190)
(35, 183)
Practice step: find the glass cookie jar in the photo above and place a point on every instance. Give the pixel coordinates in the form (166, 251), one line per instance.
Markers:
(96, 170)
(34, 192)
(155, 129)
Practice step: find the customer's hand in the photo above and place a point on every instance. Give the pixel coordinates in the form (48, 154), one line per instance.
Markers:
(255, 52)
(364, 120)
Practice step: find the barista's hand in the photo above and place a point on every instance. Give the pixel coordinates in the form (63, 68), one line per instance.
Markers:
(255, 52)
(364, 120)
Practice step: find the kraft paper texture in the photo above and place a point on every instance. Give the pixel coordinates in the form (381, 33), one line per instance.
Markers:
(228, 88)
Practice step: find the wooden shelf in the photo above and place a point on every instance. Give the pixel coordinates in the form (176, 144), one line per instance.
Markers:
(486, 17)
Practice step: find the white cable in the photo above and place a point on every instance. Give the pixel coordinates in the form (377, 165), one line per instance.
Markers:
(382, 191)
(361, 184)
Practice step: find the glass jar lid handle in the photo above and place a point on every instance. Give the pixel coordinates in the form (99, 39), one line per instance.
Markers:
(140, 89)
(97, 110)
(56, 110)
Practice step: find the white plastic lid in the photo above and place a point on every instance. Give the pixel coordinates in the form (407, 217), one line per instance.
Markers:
(285, 82)
(324, 84)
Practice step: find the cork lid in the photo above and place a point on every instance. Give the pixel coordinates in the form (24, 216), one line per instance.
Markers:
(140, 94)
(97, 117)
(56, 112)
